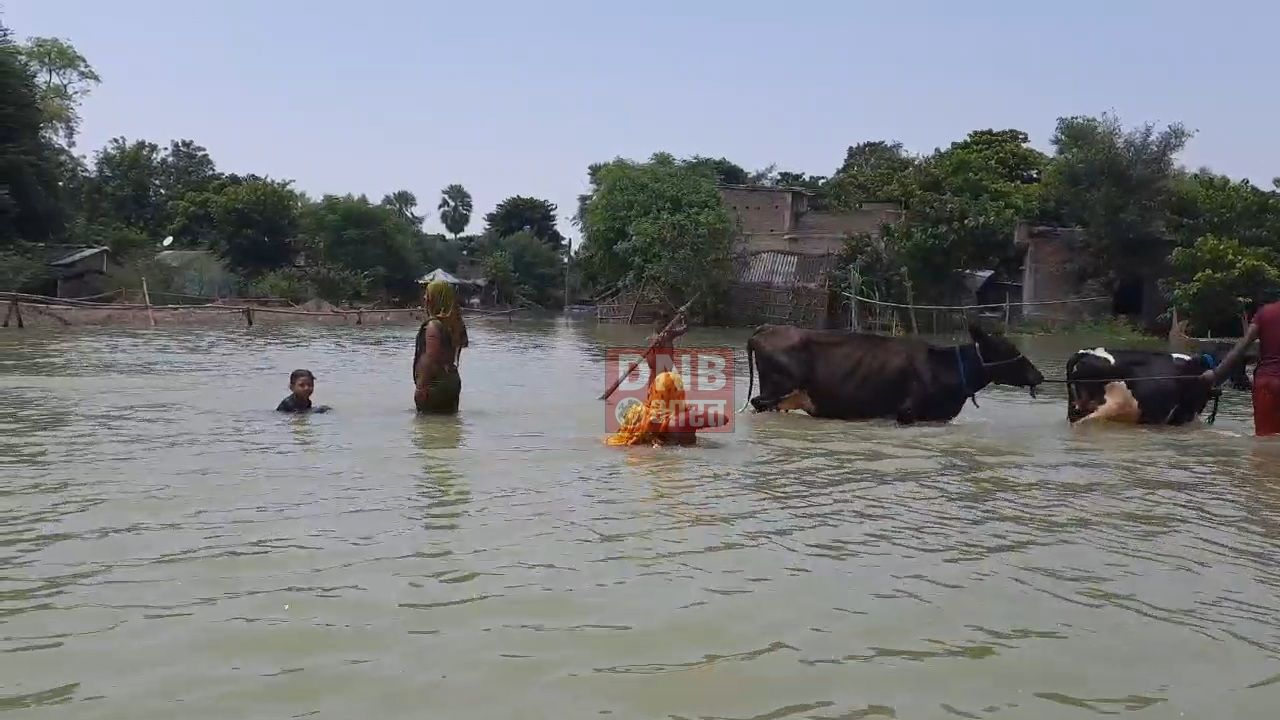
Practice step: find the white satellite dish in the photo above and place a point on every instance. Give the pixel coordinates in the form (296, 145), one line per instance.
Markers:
(167, 241)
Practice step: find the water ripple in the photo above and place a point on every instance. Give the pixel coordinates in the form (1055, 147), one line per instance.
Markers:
(153, 508)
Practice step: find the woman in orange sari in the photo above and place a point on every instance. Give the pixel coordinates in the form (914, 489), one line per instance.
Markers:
(664, 418)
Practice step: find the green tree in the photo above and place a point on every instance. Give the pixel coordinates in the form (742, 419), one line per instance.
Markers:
(967, 200)
(500, 271)
(436, 251)
(785, 178)
(1119, 185)
(65, 78)
(1216, 278)
(185, 168)
(405, 204)
(536, 268)
(1205, 203)
(658, 225)
(124, 187)
(251, 223)
(356, 235)
(874, 170)
(519, 214)
(962, 205)
(721, 169)
(455, 209)
(30, 202)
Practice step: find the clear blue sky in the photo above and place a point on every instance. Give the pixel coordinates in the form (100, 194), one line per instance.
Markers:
(519, 97)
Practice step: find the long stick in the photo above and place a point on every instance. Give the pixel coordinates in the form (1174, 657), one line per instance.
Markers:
(683, 309)
(146, 297)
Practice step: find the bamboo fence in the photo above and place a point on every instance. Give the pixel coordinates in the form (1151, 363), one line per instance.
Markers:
(22, 310)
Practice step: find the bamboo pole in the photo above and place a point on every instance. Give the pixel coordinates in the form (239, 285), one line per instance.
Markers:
(631, 319)
(1006, 311)
(146, 298)
(678, 314)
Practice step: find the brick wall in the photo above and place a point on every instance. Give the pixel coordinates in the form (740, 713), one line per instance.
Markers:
(815, 244)
(855, 222)
(1047, 269)
(758, 210)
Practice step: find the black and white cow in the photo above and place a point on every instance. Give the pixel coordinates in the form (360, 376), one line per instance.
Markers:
(1137, 386)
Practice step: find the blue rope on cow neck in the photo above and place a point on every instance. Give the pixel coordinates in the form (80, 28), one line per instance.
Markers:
(964, 379)
(1209, 360)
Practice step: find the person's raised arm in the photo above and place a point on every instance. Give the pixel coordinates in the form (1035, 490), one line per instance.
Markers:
(1233, 358)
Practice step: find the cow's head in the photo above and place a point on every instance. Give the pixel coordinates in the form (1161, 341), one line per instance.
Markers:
(1217, 352)
(1003, 361)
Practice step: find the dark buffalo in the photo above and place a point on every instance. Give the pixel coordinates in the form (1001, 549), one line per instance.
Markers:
(1137, 386)
(852, 376)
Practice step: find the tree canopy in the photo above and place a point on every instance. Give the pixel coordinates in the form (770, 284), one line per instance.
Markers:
(519, 214)
(31, 206)
(658, 225)
(64, 78)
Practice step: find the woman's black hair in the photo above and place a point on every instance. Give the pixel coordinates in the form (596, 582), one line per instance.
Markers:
(297, 375)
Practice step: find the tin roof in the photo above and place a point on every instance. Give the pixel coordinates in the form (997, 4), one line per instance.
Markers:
(767, 188)
(784, 269)
(77, 256)
(442, 274)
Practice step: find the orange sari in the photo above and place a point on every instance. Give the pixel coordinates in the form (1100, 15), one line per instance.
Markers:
(651, 423)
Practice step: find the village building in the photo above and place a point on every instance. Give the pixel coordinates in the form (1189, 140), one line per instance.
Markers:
(785, 252)
(1050, 274)
(77, 272)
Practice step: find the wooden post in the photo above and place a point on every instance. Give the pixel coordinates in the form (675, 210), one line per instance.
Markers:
(1006, 311)
(248, 316)
(631, 319)
(568, 255)
(855, 282)
(17, 310)
(359, 317)
(146, 297)
(911, 310)
(9, 314)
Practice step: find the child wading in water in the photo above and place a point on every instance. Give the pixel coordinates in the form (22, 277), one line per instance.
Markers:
(301, 384)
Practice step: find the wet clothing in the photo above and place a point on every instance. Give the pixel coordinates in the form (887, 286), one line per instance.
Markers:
(442, 393)
(294, 404)
(1266, 404)
(1268, 321)
(1266, 378)
(654, 422)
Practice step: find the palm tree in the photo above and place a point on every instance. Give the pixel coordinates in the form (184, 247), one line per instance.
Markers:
(455, 209)
(404, 203)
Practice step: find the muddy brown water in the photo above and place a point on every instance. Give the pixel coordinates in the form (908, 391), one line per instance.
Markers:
(170, 547)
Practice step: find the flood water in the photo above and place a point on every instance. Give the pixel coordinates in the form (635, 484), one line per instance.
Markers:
(172, 548)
